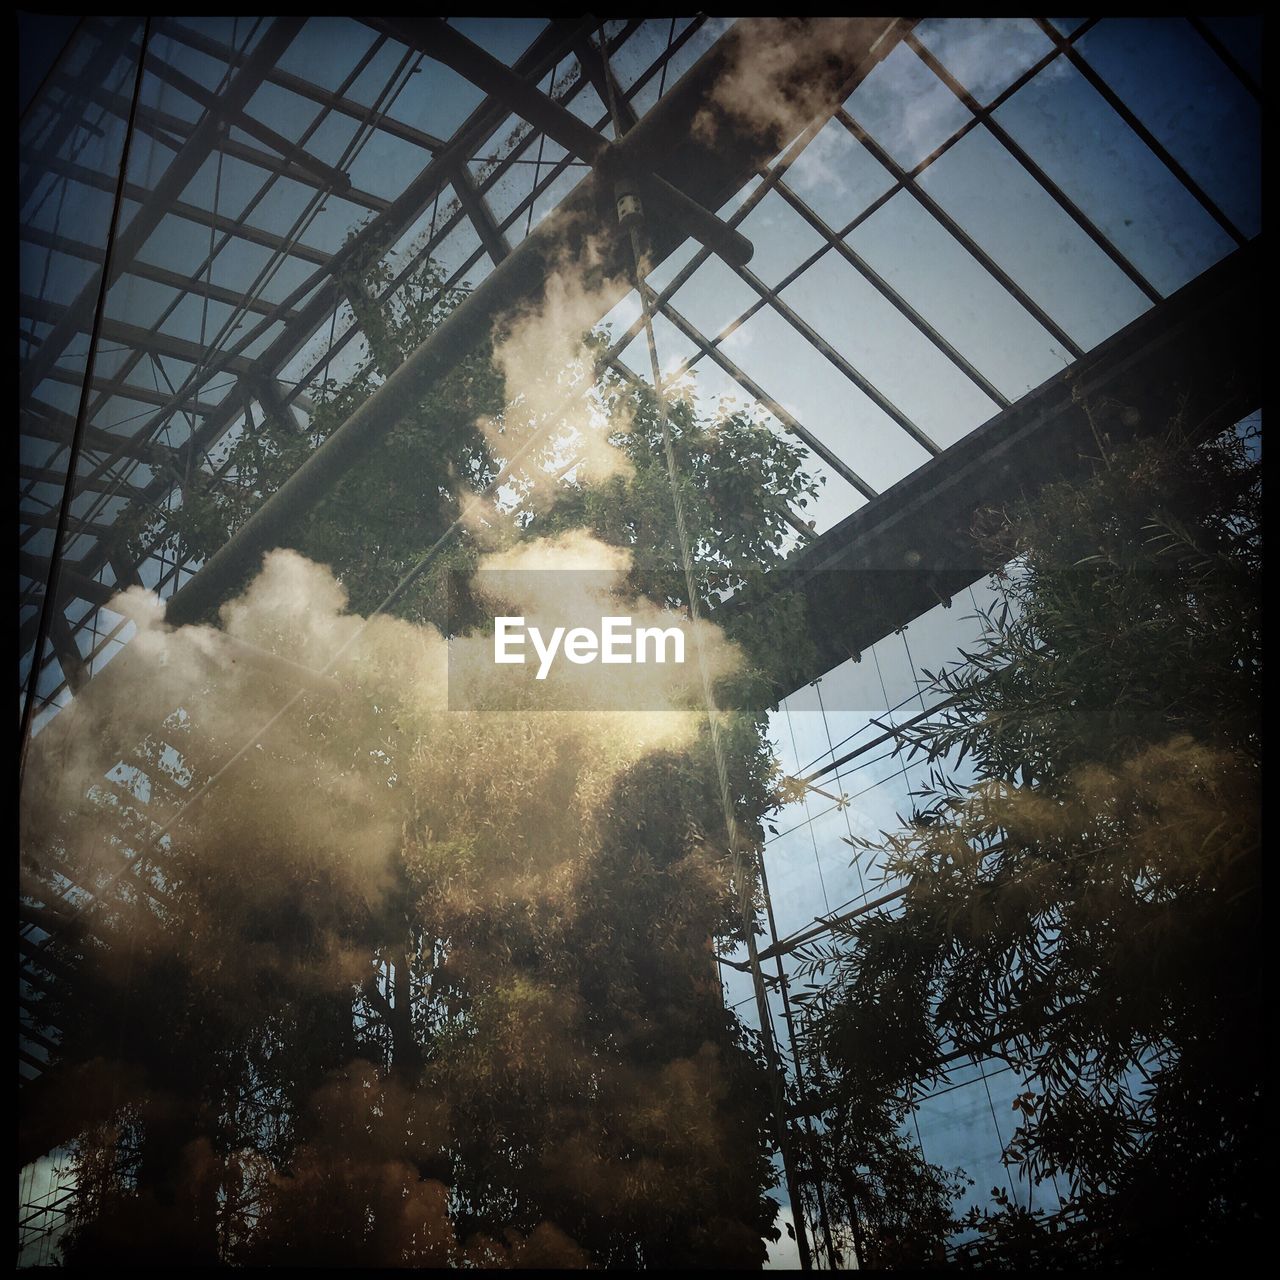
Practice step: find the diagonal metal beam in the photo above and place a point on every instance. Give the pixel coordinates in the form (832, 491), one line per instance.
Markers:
(710, 172)
(1196, 355)
(203, 218)
(105, 386)
(592, 63)
(44, 422)
(1037, 173)
(1127, 114)
(712, 351)
(201, 287)
(494, 239)
(905, 182)
(134, 335)
(446, 45)
(49, 475)
(304, 88)
(171, 185)
(326, 175)
(289, 159)
(442, 42)
(37, 568)
(49, 519)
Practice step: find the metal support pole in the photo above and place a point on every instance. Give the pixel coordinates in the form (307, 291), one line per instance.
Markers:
(630, 215)
(824, 1221)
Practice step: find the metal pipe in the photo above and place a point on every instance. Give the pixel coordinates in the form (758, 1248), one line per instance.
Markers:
(517, 281)
(709, 174)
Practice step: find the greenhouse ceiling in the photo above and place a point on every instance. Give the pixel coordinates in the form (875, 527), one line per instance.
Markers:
(963, 211)
(942, 258)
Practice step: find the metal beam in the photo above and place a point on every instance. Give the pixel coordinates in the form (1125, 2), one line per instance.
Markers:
(892, 296)
(133, 335)
(324, 175)
(588, 54)
(446, 45)
(1126, 113)
(306, 89)
(268, 393)
(1197, 355)
(905, 181)
(203, 218)
(494, 239)
(47, 475)
(1037, 173)
(710, 173)
(712, 351)
(109, 387)
(171, 185)
(43, 422)
(145, 271)
(290, 160)
(442, 42)
(49, 520)
(68, 655)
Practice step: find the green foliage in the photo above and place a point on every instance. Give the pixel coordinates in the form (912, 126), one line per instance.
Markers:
(377, 522)
(739, 485)
(502, 1043)
(1087, 910)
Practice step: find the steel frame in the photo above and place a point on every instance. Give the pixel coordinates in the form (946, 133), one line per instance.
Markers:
(1192, 332)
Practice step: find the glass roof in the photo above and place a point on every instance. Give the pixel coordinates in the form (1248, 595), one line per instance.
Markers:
(994, 199)
(228, 274)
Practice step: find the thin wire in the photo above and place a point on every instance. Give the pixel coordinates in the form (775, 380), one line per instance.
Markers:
(915, 678)
(662, 79)
(885, 692)
(273, 264)
(807, 768)
(842, 805)
(537, 171)
(49, 603)
(999, 1136)
(804, 799)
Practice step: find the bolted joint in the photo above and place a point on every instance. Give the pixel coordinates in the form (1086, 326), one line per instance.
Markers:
(630, 210)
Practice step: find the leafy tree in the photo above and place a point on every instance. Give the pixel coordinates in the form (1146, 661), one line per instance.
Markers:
(422, 989)
(1087, 910)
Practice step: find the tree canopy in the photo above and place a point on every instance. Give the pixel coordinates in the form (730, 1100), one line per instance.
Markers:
(407, 986)
(1083, 905)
